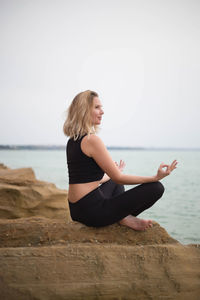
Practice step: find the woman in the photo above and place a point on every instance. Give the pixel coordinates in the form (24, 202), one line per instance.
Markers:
(96, 193)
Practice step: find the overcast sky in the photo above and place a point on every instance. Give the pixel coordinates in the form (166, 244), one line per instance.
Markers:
(142, 58)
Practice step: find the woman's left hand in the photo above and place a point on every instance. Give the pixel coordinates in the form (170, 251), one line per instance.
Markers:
(121, 165)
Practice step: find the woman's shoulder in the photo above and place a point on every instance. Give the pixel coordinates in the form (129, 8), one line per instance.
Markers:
(93, 139)
(91, 142)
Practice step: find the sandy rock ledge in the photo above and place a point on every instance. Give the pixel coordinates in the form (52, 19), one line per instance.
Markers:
(22, 195)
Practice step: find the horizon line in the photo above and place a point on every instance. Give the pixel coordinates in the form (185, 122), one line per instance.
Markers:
(59, 146)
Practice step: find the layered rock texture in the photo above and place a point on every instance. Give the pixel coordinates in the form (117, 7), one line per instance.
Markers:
(22, 195)
(45, 255)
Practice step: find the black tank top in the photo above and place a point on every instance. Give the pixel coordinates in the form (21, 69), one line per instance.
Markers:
(81, 168)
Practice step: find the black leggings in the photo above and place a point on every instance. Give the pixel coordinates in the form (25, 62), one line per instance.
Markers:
(109, 203)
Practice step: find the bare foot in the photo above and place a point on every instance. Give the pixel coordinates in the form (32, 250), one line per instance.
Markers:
(136, 223)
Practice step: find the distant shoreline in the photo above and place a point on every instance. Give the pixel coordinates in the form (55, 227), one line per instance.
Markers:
(62, 147)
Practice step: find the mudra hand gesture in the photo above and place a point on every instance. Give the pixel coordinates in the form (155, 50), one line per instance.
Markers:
(121, 165)
(165, 170)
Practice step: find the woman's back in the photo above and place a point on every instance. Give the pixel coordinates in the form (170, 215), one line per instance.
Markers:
(81, 167)
(84, 173)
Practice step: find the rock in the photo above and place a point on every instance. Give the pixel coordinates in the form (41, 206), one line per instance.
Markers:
(22, 195)
(43, 231)
(17, 176)
(42, 258)
(2, 166)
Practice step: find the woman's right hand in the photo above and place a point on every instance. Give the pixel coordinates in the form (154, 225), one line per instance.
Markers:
(161, 173)
(121, 165)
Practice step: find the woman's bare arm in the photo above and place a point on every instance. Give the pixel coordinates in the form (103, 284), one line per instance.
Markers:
(120, 167)
(100, 154)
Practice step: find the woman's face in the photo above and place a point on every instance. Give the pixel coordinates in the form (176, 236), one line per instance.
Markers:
(96, 111)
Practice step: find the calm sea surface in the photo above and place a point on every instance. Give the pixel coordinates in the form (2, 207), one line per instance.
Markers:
(178, 211)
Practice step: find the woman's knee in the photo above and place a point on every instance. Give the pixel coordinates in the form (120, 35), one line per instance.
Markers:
(158, 189)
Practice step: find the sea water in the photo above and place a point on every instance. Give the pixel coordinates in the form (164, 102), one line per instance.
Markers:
(177, 211)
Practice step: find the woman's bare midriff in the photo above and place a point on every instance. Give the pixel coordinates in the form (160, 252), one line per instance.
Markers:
(78, 190)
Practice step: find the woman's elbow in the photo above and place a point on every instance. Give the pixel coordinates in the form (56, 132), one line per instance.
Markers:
(117, 178)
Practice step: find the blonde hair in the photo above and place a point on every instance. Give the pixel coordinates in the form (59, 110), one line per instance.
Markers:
(78, 121)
